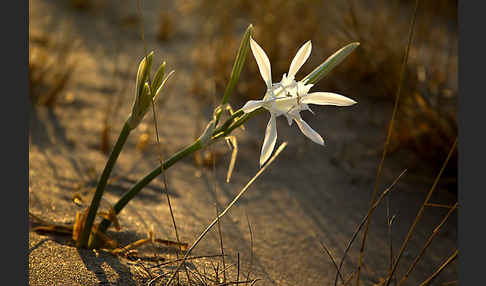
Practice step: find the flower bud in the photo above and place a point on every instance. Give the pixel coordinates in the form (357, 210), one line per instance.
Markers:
(140, 107)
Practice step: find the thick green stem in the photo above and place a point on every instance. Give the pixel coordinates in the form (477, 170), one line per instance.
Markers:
(95, 203)
(130, 194)
(224, 130)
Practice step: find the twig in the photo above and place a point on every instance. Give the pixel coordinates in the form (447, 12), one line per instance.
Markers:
(438, 205)
(420, 212)
(355, 234)
(332, 259)
(188, 258)
(221, 241)
(238, 268)
(427, 244)
(389, 222)
(251, 246)
(442, 267)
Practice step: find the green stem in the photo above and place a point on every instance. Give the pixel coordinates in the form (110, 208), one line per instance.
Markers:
(224, 130)
(95, 203)
(130, 194)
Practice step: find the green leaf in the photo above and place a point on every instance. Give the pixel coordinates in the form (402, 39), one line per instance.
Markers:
(143, 69)
(161, 86)
(322, 70)
(159, 75)
(239, 63)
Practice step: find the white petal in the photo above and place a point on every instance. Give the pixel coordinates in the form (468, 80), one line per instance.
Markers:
(262, 61)
(327, 98)
(303, 89)
(302, 55)
(252, 105)
(308, 131)
(270, 140)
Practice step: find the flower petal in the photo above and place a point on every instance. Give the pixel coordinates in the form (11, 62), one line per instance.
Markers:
(252, 105)
(262, 61)
(302, 55)
(308, 131)
(270, 140)
(327, 98)
(302, 89)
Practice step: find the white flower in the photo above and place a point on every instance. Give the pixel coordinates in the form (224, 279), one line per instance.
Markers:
(288, 97)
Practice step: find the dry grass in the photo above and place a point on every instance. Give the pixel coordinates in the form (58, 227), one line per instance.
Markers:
(427, 115)
(166, 26)
(50, 67)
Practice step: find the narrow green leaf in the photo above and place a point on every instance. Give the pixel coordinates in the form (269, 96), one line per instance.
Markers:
(239, 63)
(159, 75)
(322, 70)
(142, 73)
(162, 84)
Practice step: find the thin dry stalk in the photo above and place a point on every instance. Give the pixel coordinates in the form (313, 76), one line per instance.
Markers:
(161, 161)
(427, 244)
(420, 212)
(358, 229)
(389, 222)
(442, 267)
(199, 276)
(251, 246)
(388, 137)
(221, 242)
(238, 268)
(181, 259)
(332, 259)
(105, 132)
(438, 205)
(239, 282)
(270, 161)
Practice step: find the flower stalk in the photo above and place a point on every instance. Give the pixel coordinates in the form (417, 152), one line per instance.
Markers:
(144, 95)
(236, 119)
(227, 127)
(95, 202)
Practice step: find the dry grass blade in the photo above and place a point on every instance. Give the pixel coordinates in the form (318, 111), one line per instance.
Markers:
(251, 246)
(270, 161)
(355, 234)
(389, 222)
(51, 66)
(442, 267)
(221, 244)
(240, 282)
(50, 227)
(150, 239)
(238, 268)
(161, 161)
(420, 212)
(438, 205)
(427, 244)
(181, 259)
(388, 137)
(332, 259)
